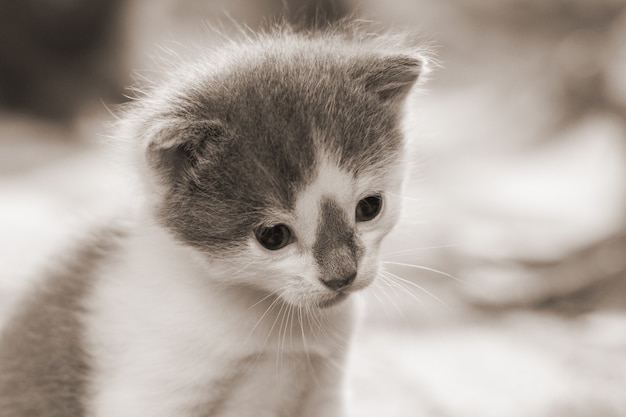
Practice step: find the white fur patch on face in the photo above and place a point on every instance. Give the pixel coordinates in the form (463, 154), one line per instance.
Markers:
(330, 182)
(293, 271)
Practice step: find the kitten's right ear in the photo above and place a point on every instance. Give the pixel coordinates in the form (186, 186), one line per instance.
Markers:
(176, 147)
(390, 77)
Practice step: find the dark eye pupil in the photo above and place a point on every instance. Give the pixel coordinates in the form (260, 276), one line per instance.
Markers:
(368, 208)
(274, 237)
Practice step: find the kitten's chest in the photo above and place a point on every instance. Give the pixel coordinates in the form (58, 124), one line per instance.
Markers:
(175, 386)
(171, 350)
(183, 378)
(270, 385)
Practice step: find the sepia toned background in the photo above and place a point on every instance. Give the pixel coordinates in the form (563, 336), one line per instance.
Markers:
(504, 291)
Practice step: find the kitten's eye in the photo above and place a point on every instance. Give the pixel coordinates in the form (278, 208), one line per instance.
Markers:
(274, 237)
(368, 208)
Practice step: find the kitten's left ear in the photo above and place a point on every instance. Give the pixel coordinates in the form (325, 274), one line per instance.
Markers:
(390, 77)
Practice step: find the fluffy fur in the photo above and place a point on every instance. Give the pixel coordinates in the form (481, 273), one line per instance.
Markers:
(191, 315)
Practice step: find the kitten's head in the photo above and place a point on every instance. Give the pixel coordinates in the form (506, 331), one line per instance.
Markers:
(281, 160)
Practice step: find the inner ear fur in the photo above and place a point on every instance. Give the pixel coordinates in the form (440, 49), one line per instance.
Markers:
(176, 148)
(390, 77)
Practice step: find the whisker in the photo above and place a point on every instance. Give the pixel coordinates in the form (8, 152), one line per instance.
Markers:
(269, 333)
(306, 346)
(406, 197)
(320, 325)
(403, 288)
(419, 287)
(426, 268)
(294, 309)
(314, 324)
(392, 301)
(377, 286)
(263, 315)
(260, 301)
(287, 325)
(417, 250)
(281, 313)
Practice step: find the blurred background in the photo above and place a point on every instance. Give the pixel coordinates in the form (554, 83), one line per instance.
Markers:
(504, 291)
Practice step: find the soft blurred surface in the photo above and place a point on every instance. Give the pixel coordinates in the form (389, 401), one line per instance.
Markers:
(505, 286)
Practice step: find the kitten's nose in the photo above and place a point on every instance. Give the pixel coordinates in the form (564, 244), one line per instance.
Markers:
(340, 284)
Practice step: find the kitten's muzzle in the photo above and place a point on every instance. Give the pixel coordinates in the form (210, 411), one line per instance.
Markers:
(340, 284)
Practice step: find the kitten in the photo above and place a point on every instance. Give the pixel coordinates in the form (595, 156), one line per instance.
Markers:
(272, 169)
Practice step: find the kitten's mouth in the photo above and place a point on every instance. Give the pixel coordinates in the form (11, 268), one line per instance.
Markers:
(336, 299)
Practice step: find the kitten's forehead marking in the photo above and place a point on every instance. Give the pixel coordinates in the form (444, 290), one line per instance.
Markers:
(329, 182)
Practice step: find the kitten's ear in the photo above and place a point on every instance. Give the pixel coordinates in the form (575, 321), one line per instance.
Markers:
(390, 77)
(176, 147)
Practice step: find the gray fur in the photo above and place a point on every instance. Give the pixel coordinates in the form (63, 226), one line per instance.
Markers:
(337, 249)
(44, 368)
(240, 138)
